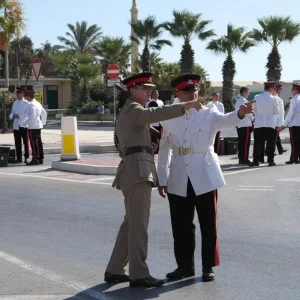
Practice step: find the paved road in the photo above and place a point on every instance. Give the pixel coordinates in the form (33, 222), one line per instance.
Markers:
(58, 229)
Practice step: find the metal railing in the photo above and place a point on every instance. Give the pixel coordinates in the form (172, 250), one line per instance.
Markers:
(53, 114)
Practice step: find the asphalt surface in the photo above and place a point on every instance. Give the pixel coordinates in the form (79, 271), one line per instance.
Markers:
(57, 231)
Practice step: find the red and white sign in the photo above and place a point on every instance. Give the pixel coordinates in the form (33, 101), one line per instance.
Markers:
(37, 68)
(113, 71)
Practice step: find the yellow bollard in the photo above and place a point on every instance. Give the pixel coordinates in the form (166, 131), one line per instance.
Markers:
(69, 139)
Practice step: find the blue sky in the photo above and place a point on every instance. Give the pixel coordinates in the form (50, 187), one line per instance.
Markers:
(46, 21)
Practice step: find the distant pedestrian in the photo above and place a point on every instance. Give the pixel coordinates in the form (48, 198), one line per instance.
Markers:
(219, 105)
(19, 117)
(100, 112)
(37, 118)
(244, 128)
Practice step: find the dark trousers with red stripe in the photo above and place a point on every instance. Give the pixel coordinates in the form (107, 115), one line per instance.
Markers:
(182, 216)
(217, 143)
(262, 135)
(295, 143)
(21, 135)
(244, 137)
(36, 144)
(278, 145)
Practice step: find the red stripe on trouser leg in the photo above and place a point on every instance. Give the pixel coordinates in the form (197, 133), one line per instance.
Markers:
(28, 141)
(34, 156)
(292, 144)
(246, 144)
(217, 256)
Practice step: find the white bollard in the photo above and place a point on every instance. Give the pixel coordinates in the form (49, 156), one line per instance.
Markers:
(69, 139)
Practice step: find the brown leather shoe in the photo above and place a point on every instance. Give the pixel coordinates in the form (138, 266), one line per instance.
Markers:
(146, 282)
(114, 278)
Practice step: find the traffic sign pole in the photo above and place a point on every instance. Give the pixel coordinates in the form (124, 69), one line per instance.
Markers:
(113, 73)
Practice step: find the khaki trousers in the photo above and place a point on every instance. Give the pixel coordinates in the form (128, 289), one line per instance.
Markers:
(132, 241)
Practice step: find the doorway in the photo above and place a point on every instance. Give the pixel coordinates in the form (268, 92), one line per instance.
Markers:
(52, 96)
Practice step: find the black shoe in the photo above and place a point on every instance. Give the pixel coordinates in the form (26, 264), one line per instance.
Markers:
(180, 273)
(297, 162)
(262, 161)
(254, 164)
(147, 282)
(26, 161)
(19, 161)
(290, 162)
(41, 162)
(33, 163)
(113, 278)
(272, 164)
(284, 150)
(208, 274)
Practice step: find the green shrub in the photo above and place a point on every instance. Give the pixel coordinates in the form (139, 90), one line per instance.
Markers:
(89, 107)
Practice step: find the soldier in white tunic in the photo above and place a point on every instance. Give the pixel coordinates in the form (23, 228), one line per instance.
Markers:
(215, 102)
(189, 172)
(292, 120)
(266, 120)
(244, 129)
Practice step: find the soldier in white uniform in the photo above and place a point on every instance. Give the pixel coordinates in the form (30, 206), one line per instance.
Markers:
(19, 117)
(292, 120)
(37, 118)
(266, 120)
(244, 128)
(280, 149)
(189, 172)
(215, 101)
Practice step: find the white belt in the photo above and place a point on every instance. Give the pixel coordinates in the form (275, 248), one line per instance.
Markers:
(192, 150)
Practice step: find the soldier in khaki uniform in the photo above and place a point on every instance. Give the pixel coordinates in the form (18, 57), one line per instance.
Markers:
(136, 176)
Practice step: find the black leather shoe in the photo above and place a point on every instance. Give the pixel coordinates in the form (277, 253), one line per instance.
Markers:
(113, 278)
(272, 164)
(146, 282)
(262, 161)
(284, 150)
(19, 161)
(297, 162)
(290, 162)
(208, 274)
(41, 162)
(180, 273)
(33, 163)
(253, 164)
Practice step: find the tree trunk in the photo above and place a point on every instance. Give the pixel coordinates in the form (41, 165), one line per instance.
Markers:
(273, 66)
(187, 60)
(228, 72)
(146, 60)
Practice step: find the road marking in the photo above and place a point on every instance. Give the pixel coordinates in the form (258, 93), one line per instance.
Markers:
(295, 179)
(256, 186)
(241, 171)
(75, 285)
(38, 297)
(53, 178)
(99, 179)
(257, 190)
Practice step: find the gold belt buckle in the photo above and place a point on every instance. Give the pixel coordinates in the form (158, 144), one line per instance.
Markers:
(186, 151)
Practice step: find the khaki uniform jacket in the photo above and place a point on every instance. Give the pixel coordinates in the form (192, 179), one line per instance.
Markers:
(133, 129)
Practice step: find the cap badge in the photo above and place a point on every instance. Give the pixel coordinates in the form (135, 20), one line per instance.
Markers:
(190, 81)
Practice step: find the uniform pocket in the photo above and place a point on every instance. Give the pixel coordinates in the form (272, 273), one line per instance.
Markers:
(146, 165)
(211, 158)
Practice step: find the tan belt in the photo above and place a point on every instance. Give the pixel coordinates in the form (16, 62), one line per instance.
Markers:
(192, 150)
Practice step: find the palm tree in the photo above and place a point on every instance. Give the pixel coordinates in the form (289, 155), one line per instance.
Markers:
(81, 38)
(188, 26)
(148, 33)
(114, 50)
(275, 30)
(237, 39)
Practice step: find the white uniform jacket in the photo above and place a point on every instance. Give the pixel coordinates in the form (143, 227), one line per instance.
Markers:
(19, 108)
(218, 104)
(37, 116)
(195, 129)
(293, 116)
(280, 110)
(266, 111)
(246, 122)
